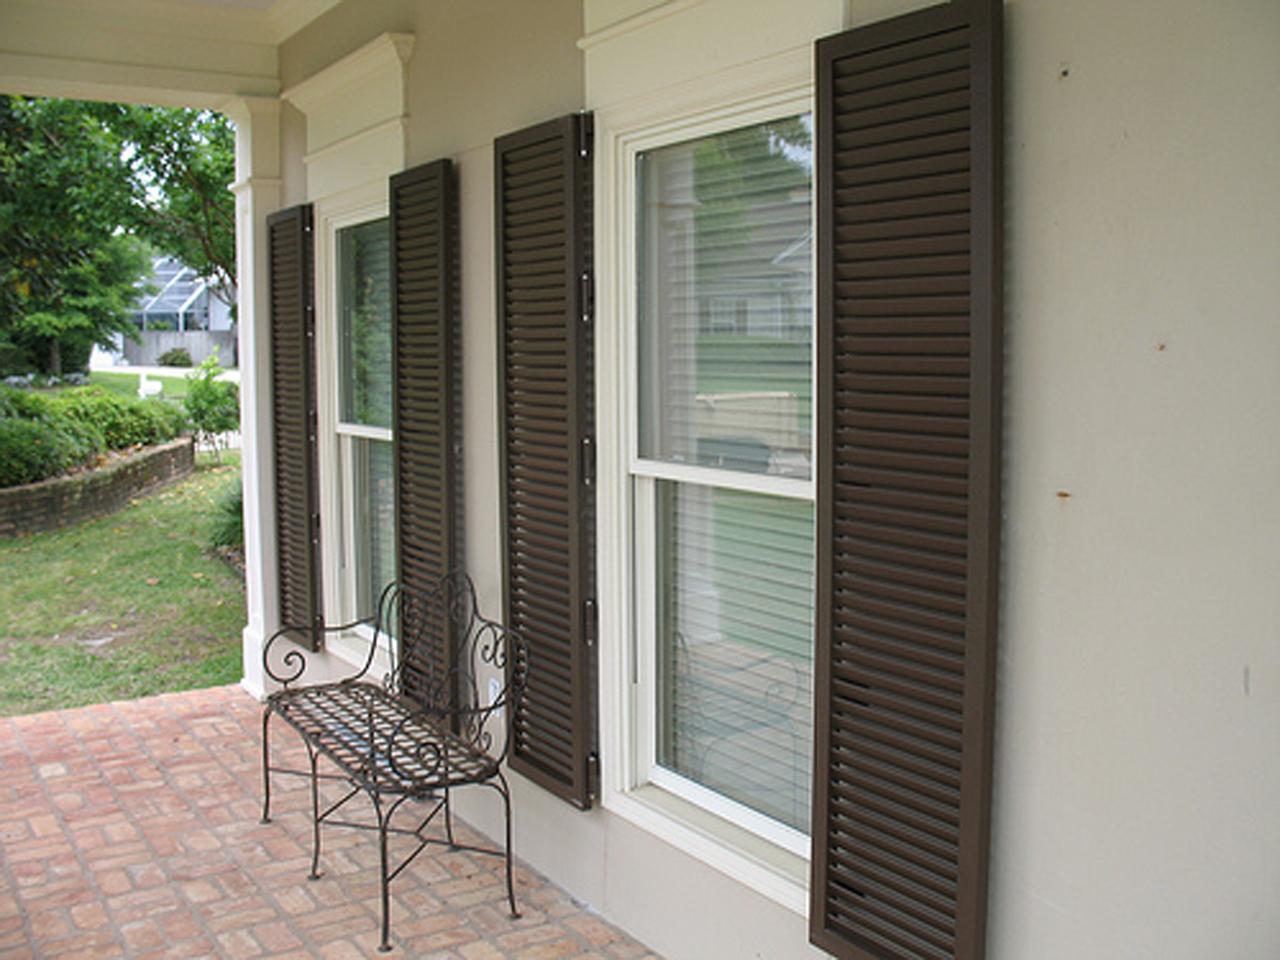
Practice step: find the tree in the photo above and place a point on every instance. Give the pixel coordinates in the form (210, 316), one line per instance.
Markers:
(95, 297)
(74, 177)
(180, 164)
(213, 405)
(67, 276)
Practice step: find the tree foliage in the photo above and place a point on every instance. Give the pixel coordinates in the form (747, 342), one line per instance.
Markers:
(84, 188)
(62, 261)
(180, 164)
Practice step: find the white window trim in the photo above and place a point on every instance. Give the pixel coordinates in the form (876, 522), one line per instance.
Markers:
(710, 829)
(333, 213)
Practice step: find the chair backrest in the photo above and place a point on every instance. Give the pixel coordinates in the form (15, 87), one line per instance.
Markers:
(444, 655)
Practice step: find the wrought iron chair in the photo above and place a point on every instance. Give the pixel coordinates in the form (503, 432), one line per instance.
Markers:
(419, 733)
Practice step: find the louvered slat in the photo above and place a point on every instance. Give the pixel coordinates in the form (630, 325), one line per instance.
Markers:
(293, 415)
(908, 379)
(543, 212)
(427, 407)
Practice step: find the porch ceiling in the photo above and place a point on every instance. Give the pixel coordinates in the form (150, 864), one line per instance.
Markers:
(170, 52)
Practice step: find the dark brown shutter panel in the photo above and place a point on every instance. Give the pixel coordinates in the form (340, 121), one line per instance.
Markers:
(426, 336)
(543, 208)
(293, 419)
(909, 320)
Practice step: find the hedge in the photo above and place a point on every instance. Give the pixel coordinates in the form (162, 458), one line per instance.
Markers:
(45, 434)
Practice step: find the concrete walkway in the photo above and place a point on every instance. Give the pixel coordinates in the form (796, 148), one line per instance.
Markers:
(233, 374)
(130, 830)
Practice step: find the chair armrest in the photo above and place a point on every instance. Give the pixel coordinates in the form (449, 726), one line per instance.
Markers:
(294, 661)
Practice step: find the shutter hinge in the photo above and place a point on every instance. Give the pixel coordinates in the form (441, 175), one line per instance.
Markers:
(590, 622)
(588, 456)
(593, 773)
(584, 136)
(587, 296)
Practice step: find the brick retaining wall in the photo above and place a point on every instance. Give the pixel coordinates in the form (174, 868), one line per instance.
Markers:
(64, 501)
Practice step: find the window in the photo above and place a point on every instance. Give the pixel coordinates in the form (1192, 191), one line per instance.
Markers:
(365, 449)
(722, 471)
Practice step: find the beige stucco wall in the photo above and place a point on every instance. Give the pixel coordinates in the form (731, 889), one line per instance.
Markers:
(338, 32)
(1137, 768)
(1138, 733)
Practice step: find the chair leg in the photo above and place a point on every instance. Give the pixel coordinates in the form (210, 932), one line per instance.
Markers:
(315, 815)
(266, 768)
(383, 874)
(506, 806)
(448, 821)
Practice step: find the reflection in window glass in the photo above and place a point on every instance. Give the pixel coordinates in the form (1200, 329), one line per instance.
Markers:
(374, 505)
(364, 339)
(735, 645)
(364, 323)
(725, 264)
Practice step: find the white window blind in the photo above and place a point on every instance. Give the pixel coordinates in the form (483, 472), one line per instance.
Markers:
(735, 651)
(364, 325)
(724, 270)
(725, 263)
(365, 385)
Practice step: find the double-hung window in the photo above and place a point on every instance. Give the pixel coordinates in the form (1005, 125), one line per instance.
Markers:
(365, 449)
(721, 469)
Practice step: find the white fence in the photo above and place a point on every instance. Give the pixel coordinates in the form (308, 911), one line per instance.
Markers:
(199, 343)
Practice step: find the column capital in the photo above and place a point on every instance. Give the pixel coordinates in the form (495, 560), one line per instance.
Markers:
(248, 109)
(257, 121)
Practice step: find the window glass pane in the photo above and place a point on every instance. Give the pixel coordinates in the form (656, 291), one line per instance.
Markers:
(735, 588)
(374, 505)
(725, 308)
(364, 323)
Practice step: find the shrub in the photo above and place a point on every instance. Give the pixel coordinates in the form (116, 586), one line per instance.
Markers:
(86, 439)
(122, 422)
(228, 518)
(24, 404)
(45, 434)
(177, 357)
(32, 450)
(213, 405)
(172, 417)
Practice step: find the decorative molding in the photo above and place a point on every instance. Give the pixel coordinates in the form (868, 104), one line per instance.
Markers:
(635, 22)
(253, 183)
(777, 76)
(398, 124)
(773, 873)
(389, 51)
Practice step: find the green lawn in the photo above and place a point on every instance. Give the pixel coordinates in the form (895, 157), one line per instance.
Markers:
(125, 606)
(126, 384)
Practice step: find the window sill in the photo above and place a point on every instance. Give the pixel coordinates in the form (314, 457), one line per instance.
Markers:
(765, 867)
(351, 649)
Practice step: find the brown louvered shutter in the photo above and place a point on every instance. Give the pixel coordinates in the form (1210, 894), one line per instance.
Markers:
(909, 320)
(543, 210)
(427, 409)
(293, 422)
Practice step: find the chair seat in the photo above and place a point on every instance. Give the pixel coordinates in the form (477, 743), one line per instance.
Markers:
(380, 741)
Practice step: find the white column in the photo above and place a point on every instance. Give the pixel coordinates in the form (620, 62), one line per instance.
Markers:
(258, 191)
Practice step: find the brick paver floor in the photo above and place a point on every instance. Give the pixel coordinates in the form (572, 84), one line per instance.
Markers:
(131, 830)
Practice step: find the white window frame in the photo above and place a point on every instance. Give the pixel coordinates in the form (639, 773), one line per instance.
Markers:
(766, 855)
(332, 214)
